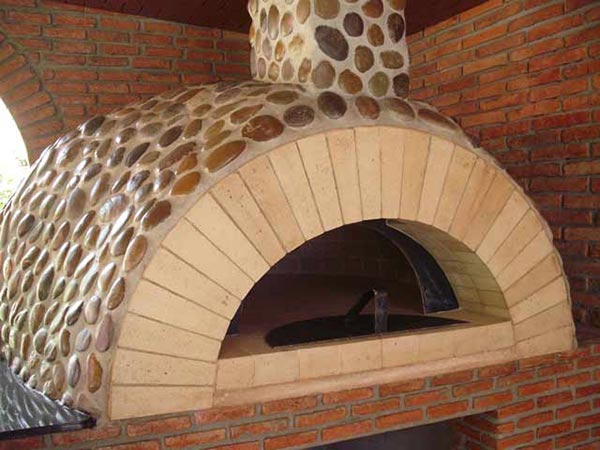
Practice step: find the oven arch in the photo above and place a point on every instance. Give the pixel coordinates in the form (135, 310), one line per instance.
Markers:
(452, 198)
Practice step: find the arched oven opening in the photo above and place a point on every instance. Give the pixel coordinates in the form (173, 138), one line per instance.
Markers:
(357, 280)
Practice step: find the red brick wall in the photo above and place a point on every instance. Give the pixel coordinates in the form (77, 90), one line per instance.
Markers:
(549, 402)
(61, 64)
(523, 78)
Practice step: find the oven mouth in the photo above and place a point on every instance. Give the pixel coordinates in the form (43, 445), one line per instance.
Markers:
(332, 328)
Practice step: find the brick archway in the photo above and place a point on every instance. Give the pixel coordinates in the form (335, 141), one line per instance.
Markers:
(23, 92)
(476, 221)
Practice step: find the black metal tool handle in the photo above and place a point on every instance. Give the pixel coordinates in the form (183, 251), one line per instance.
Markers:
(381, 309)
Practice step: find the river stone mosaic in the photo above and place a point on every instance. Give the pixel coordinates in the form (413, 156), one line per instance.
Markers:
(338, 40)
(77, 234)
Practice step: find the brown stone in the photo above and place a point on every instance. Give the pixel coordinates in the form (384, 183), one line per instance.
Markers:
(72, 259)
(398, 5)
(287, 24)
(375, 35)
(76, 203)
(83, 340)
(327, 9)
(332, 105)
(125, 136)
(401, 85)
(263, 20)
(130, 119)
(267, 48)
(287, 70)
(436, 118)
(92, 309)
(214, 130)
(68, 153)
(202, 110)
(228, 95)
(116, 294)
(296, 45)
(91, 172)
(64, 342)
(279, 51)
(261, 67)
(151, 129)
(303, 10)
(149, 158)
(354, 25)
(50, 351)
(392, 59)
(187, 163)
(399, 107)
(163, 179)
(217, 139)
(396, 27)
(137, 180)
(304, 70)
(121, 182)
(262, 128)
(170, 136)
(186, 184)
(332, 42)
(92, 125)
(113, 207)
(26, 224)
(363, 58)
(39, 340)
(121, 241)
(192, 129)
(350, 82)
(106, 276)
(373, 8)
(224, 154)
(273, 22)
(282, 97)
(379, 84)
(58, 376)
(176, 155)
(299, 116)
(116, 157)
(73, 371)
(74, 312)
(45, 284)
(323, 75)
(368, 107)
(105, 334)
(94, 373)
(159, 212)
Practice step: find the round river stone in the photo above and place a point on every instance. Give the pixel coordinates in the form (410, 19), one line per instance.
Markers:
(332, 105)
(332, 42)
(299, 116)
(262, 128)
(354, 25)
(223, 155)
(323, 75)
(363, 58)
(327, 9)
(395, 24)
(350, 82)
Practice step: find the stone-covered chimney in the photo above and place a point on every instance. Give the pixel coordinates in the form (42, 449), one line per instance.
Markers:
(344, 46)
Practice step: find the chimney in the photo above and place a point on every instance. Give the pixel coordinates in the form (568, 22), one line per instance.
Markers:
(348, 47)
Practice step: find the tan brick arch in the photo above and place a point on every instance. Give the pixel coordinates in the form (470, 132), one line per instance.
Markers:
(476, 221)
